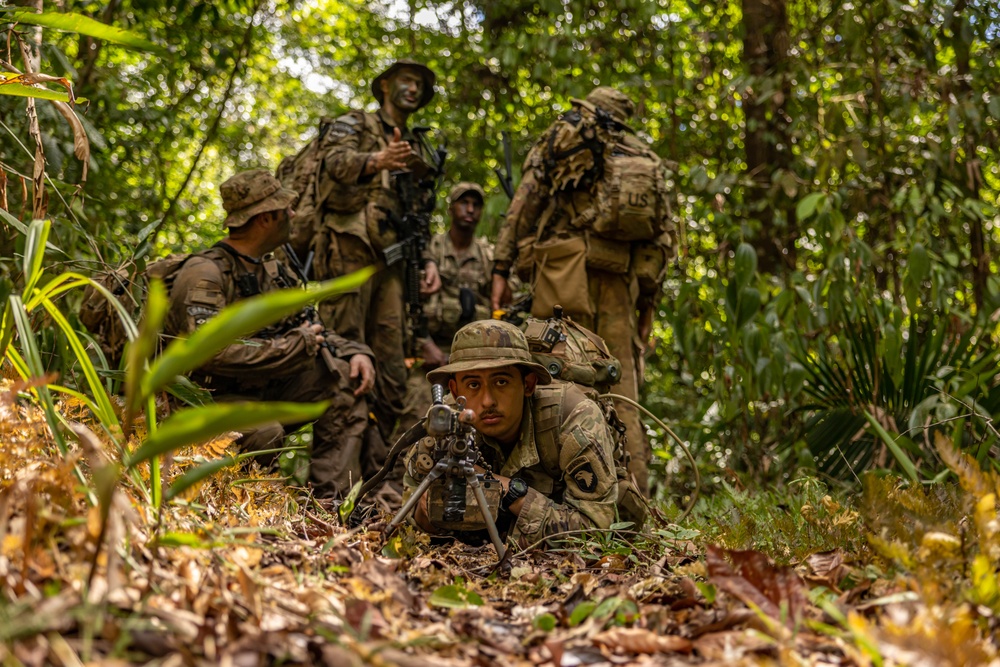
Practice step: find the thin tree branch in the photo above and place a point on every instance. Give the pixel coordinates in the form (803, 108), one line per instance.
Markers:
(214, 128)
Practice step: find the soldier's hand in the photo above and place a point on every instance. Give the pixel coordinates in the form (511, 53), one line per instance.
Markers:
(432, 279)
(433, 356)
(316, 330)
(501, 292)
(361, 367)
(393, 156)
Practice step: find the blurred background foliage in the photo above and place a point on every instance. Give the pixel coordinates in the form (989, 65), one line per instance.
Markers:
(834, 168)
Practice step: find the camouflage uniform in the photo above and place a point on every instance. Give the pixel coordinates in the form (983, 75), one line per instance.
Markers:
(356, 229)
(565, 452)
(467, 269)
(280, 364)
(623, 278)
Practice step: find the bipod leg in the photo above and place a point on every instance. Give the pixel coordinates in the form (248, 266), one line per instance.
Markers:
(408, 506)
(491, 526)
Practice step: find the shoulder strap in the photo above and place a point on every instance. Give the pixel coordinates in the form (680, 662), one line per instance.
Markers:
(552, 403)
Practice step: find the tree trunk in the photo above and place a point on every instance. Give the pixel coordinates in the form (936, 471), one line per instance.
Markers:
(767, 141)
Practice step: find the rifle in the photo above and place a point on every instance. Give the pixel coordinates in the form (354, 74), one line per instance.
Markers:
(308, 314)
(413, 230)
(506, 177)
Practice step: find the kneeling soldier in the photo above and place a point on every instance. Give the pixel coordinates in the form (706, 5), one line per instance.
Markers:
(282, 362)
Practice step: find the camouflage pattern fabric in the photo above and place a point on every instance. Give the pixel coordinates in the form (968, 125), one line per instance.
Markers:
(571, 477)
(353, 233)
(282, 367)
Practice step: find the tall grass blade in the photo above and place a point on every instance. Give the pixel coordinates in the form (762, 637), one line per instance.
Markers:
(897, 452)
(35, 366)
(34, 253)
(143, 345)
(195, 425)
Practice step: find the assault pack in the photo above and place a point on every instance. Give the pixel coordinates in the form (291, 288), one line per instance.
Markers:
(586, 148)
(128, 285)
(573, 353)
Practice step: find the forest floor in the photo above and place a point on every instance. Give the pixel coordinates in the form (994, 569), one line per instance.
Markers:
(247, 571)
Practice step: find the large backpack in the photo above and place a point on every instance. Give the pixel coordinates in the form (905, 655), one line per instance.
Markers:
(301, 172)
(584, 149)
(128, 285)
(573, 353)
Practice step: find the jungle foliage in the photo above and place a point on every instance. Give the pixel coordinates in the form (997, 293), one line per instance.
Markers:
(833, 167)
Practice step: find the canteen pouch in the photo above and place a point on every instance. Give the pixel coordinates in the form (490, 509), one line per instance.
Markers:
(561, 277)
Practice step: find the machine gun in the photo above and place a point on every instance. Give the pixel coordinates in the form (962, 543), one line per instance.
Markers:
(453, 487)
(413, 231)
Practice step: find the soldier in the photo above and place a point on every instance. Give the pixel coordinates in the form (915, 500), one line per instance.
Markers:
(549, 444)
(365, 156)
(589, 229)
(464, 263)
(282, 363)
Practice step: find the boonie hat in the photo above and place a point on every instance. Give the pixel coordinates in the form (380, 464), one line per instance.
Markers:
(488, 344)
(251, 192)
(612, 101)
(464, 187)
(425, 73)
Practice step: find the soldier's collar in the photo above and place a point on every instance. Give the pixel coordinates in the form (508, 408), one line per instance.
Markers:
(525, 452)
(387, 120)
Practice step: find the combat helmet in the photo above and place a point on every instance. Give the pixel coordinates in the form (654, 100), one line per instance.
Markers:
(614, 102)
(426, 73)
(488, 344)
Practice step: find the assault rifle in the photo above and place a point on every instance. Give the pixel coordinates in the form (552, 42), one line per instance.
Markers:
(507, 176)
(308, 314)
(413, 231)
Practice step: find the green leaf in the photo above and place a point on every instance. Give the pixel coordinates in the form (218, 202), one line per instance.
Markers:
(143, 345)
(84, 25)
(621, 525)
(347, 506)
(919, 264)
(897, 452)
(193, 425)
(580, 613)
(749, 301)
(197, 474)
(180, 539)
(807, 205)
(746, 264)
(34, 253)
(454, 596)
(234, 322)
(38, 92)
(545, 622)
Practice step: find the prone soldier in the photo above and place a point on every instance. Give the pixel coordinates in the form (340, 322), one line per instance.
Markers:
(464, 262)
(283, 363)
(369, 159)
(589, 228)
(547, 444)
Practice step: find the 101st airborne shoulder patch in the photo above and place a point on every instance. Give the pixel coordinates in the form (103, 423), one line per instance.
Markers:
(584, 477)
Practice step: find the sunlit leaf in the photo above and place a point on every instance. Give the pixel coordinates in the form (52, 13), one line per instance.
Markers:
(85, 25)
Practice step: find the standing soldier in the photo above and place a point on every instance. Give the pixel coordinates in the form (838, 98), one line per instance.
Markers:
(284, 362)
(589, 228)
(464, 262)
(369, 159)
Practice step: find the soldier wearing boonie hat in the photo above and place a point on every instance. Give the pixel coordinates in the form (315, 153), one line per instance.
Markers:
(283, 363)
(547, 443)
(464, 262)
(364, 156)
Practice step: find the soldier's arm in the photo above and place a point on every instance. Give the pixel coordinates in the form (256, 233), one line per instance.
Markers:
(530, 199)
(586, 457)
(198, 295)
(344, 161)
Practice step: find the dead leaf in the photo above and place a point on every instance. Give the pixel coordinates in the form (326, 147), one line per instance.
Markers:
(754, 579)
(640, 640)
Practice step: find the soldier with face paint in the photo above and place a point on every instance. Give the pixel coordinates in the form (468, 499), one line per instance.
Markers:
(547, 443)
(364, 156)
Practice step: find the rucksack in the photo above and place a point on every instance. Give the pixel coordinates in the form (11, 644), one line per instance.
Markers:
(573, 353)
(128, 285)
(585, 148)
(301, 172)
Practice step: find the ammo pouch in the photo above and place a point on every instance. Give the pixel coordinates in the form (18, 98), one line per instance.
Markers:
(649, 263)
(561, 277)
(606, 255)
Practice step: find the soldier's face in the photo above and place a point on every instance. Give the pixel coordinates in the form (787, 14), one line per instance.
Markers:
(404, 89)
(496, 396)
(466, 212)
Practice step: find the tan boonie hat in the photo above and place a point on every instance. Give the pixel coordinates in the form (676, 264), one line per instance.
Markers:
(488, 344)
(612, 101)
(464, 187)
(251, 192)
(425, 73)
